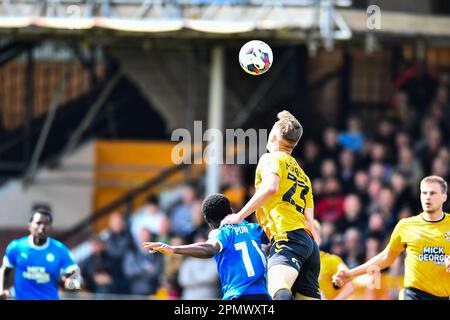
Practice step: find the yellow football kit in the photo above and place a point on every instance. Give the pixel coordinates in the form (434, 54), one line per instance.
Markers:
(330, 264)
(427, 244)
(285, 210)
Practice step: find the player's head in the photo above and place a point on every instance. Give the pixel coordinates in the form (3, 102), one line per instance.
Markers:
(216, 207)
(285, 133)
(40, 223)
(316, 230)
(433, 193)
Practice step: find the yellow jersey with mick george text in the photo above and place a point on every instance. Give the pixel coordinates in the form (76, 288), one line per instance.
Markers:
(427, 244)
(284, 211)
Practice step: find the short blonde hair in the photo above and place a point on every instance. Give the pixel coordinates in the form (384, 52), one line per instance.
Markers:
(288, 128)
(437, 179)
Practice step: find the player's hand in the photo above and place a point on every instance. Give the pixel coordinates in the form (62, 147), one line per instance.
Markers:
(341, 278)
(5, 294)
(153, 247)
(231, 219)
(447, 264)
(72, 284)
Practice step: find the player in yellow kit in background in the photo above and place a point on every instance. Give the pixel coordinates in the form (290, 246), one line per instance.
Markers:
(426, 238)
(330, 264)
(284, 208)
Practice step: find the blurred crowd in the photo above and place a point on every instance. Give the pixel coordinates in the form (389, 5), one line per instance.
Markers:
(118, 264)
(364, 180)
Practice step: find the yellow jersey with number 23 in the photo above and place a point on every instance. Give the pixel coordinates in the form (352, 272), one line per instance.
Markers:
(284, 211)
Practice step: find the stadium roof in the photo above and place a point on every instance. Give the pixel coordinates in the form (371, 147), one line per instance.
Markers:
(188, 18)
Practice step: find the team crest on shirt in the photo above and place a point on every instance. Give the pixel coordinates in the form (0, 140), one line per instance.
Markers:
(447, 236)
(50, 257)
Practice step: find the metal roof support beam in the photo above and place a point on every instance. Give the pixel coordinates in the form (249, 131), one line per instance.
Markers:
(34, 163)
(215, 119)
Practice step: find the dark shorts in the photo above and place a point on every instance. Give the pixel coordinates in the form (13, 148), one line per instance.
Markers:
(301, 252)
(416, 294)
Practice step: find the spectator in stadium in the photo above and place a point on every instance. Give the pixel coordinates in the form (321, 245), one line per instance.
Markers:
(232, 185)
(182, 217)
(318, 185)
(436, 113)
(142, 270)
(360, 185)
(353, 138)
(402, 191)
(428, 147)
(353, 214)
(172, 266)
(444, 153)
(330, 144)
(328, 169)
(404, 113)
(150, 217)
(34, 258)
(409, 166)
(331, 206)
(97, 270)
(440, 167)
(402, 139)
(378, 152)
(372, 245)
(373, 192)
(199, 223)
(198, 277)
(421, 88)
(442, 98)
(385, 205)
(327, 232)
(353, 250)
(338, 245)
(405, 212)
(346, 169)
(385, 135)
(311, 159)
(376, 225)
(118, 242)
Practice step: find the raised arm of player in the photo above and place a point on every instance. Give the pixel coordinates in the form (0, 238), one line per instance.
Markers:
(268, 188)
(203, 250)
(383, 260)
(5, 273)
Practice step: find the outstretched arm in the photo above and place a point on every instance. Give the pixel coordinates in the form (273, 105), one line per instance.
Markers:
(377, 263)
(268, 188)
(202, 250)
